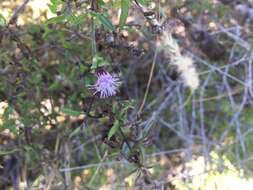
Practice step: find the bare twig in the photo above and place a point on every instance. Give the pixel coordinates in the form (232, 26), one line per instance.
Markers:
(17, 12)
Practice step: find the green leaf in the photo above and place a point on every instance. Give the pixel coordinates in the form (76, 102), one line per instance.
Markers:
(54, 5)
(124, 12)
(101, 3)
(76, 20)
(98, 61)
(143, 2)
(76, 131)
(56, 20)
(10, 124)
(106, 22)
(54, 86)
(2, 153)
(125, 149)
(114, 129)
(71, 112)
(2, 20)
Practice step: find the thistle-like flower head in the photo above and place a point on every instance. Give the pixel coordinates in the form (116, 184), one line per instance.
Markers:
(106, 85)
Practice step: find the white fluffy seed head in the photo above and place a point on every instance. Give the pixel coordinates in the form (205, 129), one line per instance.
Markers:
(184, 64)
(187, 71)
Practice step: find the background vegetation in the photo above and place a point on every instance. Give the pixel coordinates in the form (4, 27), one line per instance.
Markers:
(182, 118)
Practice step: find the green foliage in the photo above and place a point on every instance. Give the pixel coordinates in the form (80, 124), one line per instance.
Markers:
(222, 11)
(124, 11)
(144, 2)
(54, 6)
(8, 121)
(56, 20)
(114, 129)
(103, 18)
(120, 116)
(2, 20)
(217, 11)
(46, 69)
(98, 61)
(2, 153)
(71, 112)
(77, 20)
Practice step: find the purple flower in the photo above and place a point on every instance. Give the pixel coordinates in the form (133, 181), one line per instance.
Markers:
(106, 85)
